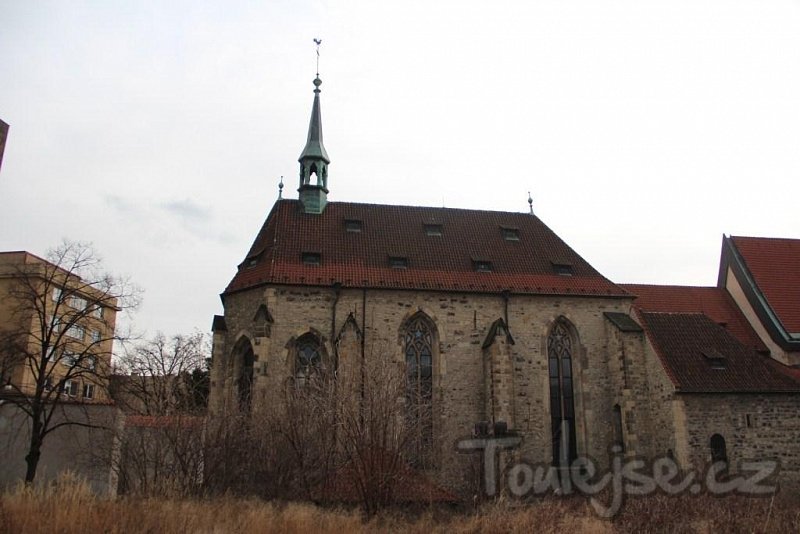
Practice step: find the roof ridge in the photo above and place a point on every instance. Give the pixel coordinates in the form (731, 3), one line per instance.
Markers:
(771, 238)
(623, 284)
(431, 208)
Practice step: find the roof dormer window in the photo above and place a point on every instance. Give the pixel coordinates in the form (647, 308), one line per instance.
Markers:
(482, 266)
(312, 258)
(252, 261)
(352, 225)
(715, 359)
(398, 262)
(509, 234)
(562, 268)
(433, 230)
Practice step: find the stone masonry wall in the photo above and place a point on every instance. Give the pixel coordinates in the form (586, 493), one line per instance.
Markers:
(462, 321)
(755, 427)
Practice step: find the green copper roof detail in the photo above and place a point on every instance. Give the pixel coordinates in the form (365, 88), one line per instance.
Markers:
(314, 162)
(314, 147)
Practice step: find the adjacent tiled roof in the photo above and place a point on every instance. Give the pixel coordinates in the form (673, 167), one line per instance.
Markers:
(774, 265)
(687, 343)
(623, 321)
(714, 302)
(361, 259)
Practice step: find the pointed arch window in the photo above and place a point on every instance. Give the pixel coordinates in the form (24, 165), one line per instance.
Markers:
(308, 359)
(562, 405)
(244, 381)
(418, 342)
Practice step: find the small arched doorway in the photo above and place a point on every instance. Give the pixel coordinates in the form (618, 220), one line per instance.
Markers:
(719, 452)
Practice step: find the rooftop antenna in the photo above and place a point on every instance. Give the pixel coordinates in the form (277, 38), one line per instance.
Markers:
(530, 202)
(318, 42)
(280, 189)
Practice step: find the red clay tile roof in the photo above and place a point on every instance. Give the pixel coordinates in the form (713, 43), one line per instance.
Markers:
(361, 259)
(774, 264)
(714, 302)
(686, 343)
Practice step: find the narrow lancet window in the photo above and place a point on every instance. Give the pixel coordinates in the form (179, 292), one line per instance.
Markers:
(562, 405)
(418, 339)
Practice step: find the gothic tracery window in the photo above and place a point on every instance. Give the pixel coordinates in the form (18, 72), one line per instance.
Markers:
(562, 405)
(418, 340)
(308, 359)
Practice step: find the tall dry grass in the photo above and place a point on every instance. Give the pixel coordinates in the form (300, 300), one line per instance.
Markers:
(68, 506)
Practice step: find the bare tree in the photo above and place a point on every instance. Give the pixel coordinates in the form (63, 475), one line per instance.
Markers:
(285, 447)
(353, 432)
(164, 391)
(164, 376)
(60, 337)
(379, 430)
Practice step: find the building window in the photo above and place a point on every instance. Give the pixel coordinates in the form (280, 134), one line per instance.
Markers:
(716, 360)
(88, 391)
(96, 336)
(308, 359)
(352, 225)
(77, 303)
(562, 406)
(244, 359)
(90, 363)
(509, 234)
(482, 266)
(70, 388)
(563, 269)
(69, 359)
(398, 262)
(433, 230)
(76, 331)
(57, 292)
(418, 343)
(97, 313)
(312, 258)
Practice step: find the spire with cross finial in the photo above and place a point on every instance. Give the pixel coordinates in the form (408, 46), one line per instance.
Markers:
(280, 189)
(530, 202)
(314, 158)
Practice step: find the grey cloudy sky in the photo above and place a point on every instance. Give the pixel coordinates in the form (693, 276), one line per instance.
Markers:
(159, 130)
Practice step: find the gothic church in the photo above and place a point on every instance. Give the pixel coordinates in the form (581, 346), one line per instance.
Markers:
(496, 319)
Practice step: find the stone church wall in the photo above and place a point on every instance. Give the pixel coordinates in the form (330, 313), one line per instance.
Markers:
(755, 427)
(462, 321)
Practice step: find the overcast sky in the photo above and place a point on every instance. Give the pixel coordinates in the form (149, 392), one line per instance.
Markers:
(159, 130)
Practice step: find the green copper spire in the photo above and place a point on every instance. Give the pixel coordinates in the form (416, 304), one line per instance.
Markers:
(314, 147)
(314, 161)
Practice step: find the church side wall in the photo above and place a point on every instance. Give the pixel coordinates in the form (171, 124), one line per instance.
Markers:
(462, 321)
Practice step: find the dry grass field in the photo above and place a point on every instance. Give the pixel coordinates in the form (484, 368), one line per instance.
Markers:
(69, 507)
